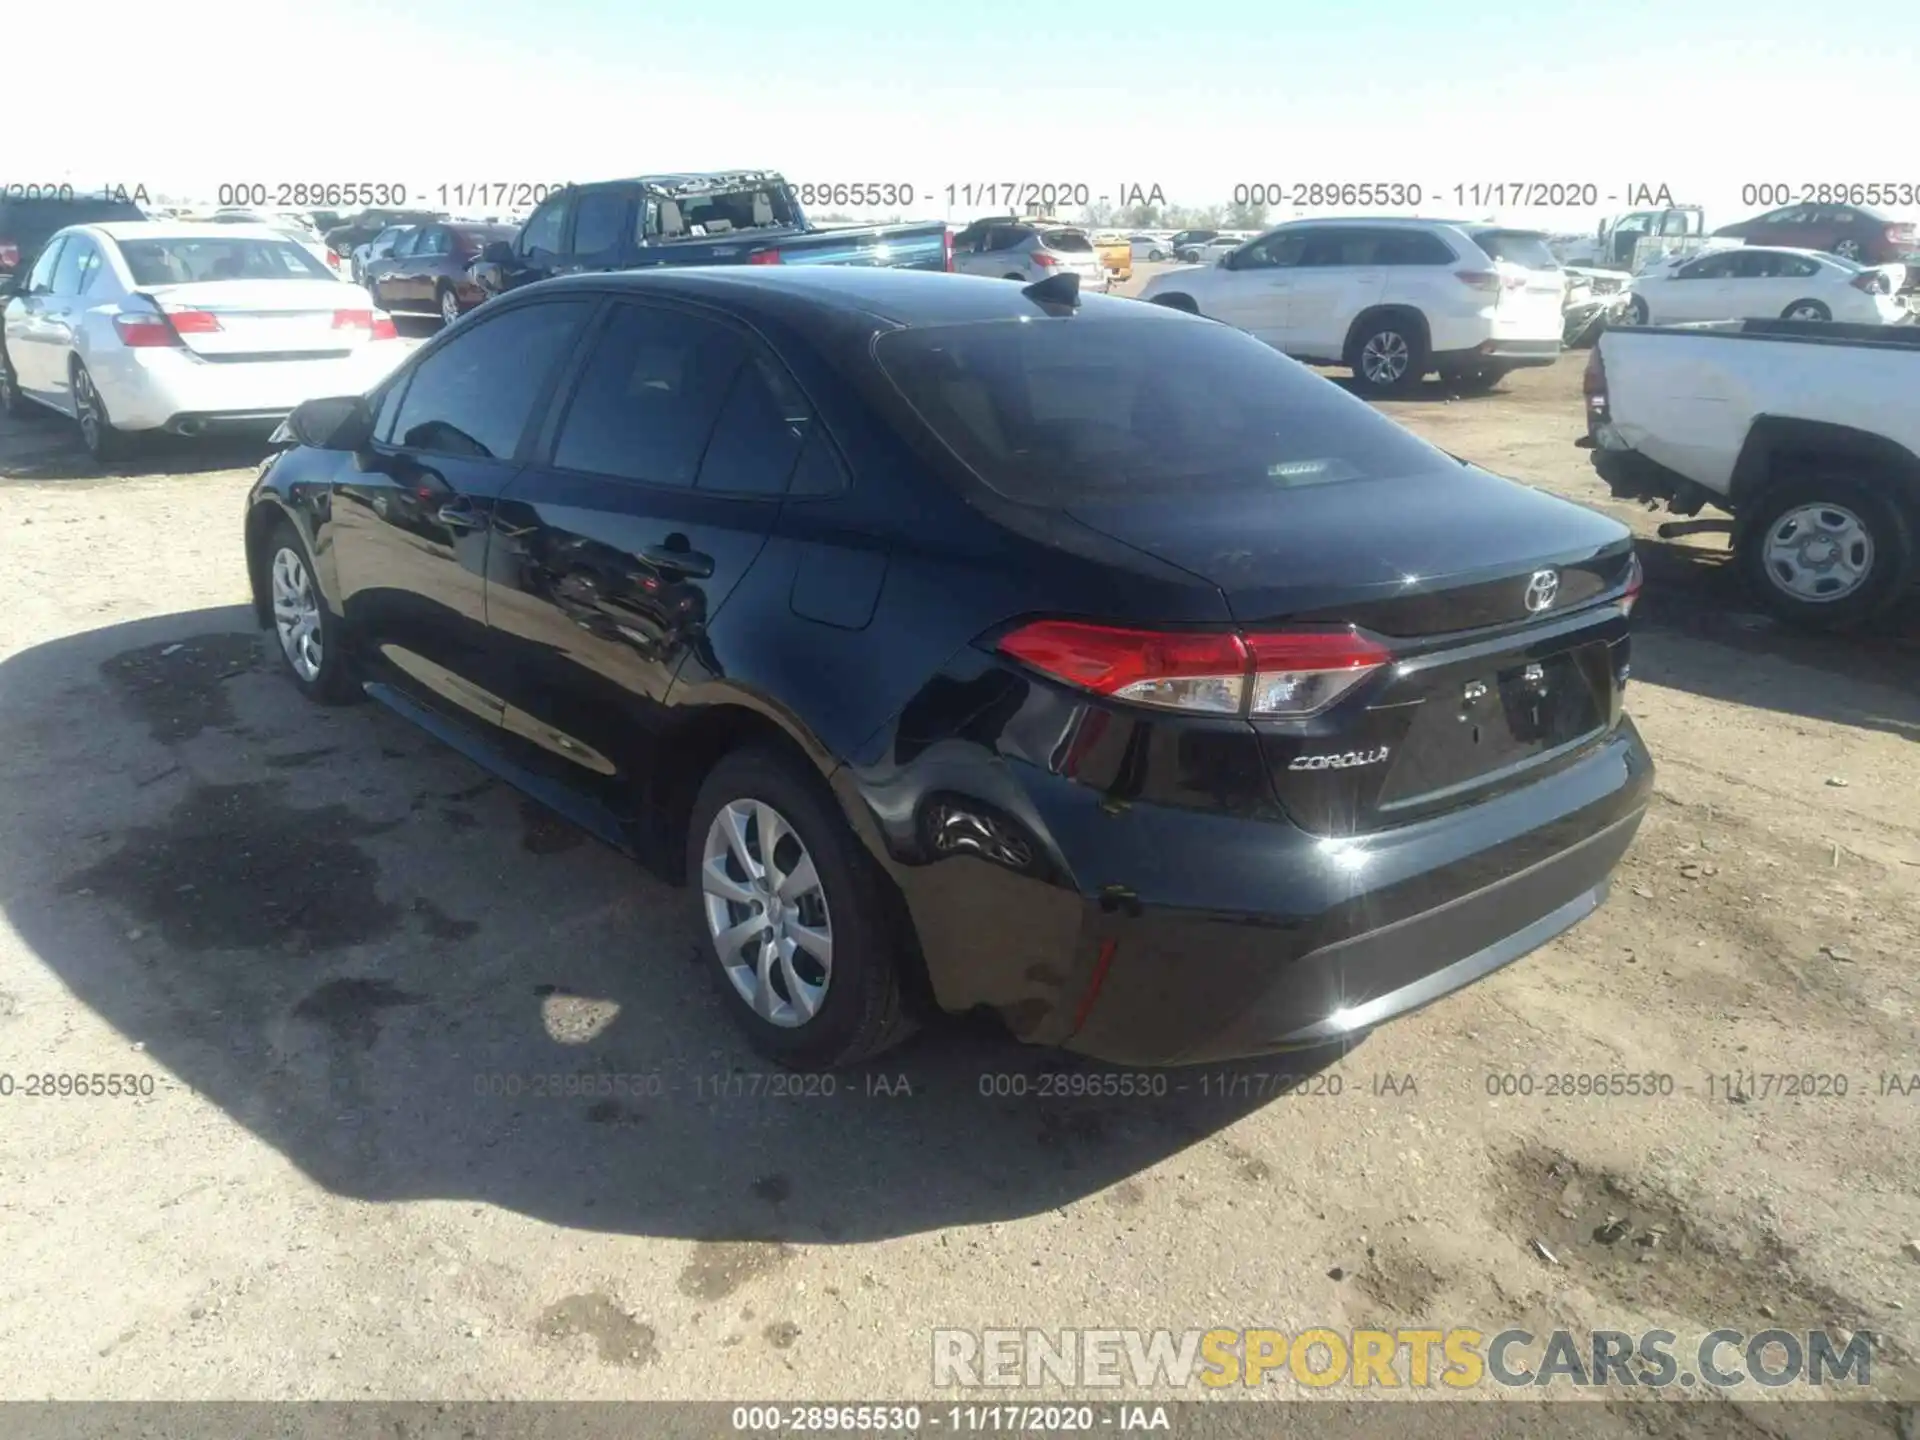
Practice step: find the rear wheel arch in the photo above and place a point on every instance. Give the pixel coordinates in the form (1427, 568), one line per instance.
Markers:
(1777, 446)
(1373, 315)
(1178, 300)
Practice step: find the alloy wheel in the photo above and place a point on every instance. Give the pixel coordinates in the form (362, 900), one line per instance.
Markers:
(767, 912)
(1384, 358)
(1847, 249)
(449, 306)
(1819, 552)
(296, 614)
(86, 409)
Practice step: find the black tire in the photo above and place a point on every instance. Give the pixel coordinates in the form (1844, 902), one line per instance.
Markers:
(1156, 254)
(1017, 279)
(334, 684)
(1871, 500)
(1813, 308)
(1637, 312)
(12, 400)
(104, 442)
(864, 1009)
(1398, 334)
(1183, 303)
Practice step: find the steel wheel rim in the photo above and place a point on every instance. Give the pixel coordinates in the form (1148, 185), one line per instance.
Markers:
(1819, 553)
(449, 307)
(296, 614)
(767, 913)
(1805, 312)
(1383, 359)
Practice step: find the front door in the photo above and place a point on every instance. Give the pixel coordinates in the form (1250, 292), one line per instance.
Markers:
(1337, 277)
(411, 517)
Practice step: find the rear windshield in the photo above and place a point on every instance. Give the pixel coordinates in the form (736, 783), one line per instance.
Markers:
(1527, 248)
(186, 261)
(1051, 412)
(724, 211)
(1065, 240)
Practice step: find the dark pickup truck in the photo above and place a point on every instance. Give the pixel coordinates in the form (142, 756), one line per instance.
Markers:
(736, 217)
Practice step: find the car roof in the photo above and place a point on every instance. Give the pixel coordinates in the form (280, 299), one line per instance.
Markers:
(184, 230)
(902, 297)
(691, 181)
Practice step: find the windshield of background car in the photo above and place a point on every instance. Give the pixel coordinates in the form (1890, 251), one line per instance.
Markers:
(43, 217)
(1065, 240)
(184, 261)
(1057, 411)
(1526, 248)
(727, 210)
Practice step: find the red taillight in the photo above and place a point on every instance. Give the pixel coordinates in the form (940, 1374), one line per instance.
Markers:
(1593, 382)
(377, 323)
(9, 254)
(1303, 671)
(194, 322)
(1636, 576)
(764, 257)
(1044, 260)
(1287, 673)
(1487, 280)
(1896, 234)
(143, 329)
(946, 245)
(383, 327)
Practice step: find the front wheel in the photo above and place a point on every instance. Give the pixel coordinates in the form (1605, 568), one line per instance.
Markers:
(103, 440)
(1825, 551)
(1806, 310)
(1637, 313)
(797, 929)
(449, 305)
(1389, 357)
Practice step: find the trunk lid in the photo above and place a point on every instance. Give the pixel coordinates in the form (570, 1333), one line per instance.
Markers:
(1076, 252)
(265, 319)
(1483, 691)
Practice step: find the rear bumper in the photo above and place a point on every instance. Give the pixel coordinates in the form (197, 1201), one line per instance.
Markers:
(1515, 354)
(1154, 935)
(149, 389)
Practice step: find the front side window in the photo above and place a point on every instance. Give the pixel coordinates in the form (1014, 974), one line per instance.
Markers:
(40, 282)
(646, 403)
(600, 218)
(76, 262)
(1277, 251)
(543, 230)
(473, 395)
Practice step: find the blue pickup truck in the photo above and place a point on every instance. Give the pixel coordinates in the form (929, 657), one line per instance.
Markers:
(733, 217)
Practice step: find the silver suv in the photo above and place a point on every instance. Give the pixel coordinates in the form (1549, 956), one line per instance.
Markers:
(1011, 248)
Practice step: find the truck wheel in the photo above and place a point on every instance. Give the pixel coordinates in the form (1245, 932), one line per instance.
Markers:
(1826, 550)
(1806, 310)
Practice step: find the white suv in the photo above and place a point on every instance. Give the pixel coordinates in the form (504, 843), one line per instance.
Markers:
(1010, 248)
(1394, 300)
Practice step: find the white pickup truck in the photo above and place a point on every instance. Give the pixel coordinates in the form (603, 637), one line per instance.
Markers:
(1807, 433)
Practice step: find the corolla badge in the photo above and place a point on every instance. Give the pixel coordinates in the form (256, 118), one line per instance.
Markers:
(1344, 760)
(1542, 587)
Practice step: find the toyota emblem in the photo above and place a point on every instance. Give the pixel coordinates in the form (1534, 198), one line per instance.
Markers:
(1541, 588)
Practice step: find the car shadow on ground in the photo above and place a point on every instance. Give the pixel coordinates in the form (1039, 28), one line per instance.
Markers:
(49, 448)
(1869, 677)
(414, 984)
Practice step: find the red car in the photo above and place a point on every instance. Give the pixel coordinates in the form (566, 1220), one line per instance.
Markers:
(427, 270)
(1852, 232)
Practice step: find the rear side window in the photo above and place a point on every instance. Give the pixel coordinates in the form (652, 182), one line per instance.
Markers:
(1055, 411)
(759, 433)
(599, 220)
(1525, 248)
(647, 402)
(474, 395)
(1412, 247)
(1070, 240)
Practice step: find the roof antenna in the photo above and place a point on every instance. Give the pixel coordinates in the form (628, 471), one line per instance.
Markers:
(1060, 288)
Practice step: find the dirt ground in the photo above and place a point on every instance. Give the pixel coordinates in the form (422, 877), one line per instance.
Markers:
(324, 946)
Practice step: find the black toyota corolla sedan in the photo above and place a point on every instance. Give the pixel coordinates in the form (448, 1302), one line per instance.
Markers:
(961, 644)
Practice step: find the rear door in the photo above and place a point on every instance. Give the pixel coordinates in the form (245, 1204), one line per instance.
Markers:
(1338, 276)
(1761, 284)
(411, 517)
(659, 477)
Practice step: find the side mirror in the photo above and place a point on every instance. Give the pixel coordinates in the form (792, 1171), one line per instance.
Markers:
(497, 252)
(337, 422)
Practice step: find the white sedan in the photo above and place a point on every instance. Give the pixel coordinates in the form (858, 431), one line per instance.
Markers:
(1765, 282)
(142, 326)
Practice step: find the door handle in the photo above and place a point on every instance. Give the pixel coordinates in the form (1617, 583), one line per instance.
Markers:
(458, 515)
(678, 560)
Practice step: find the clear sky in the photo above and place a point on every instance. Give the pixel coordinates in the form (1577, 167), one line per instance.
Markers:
(1193, 95)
